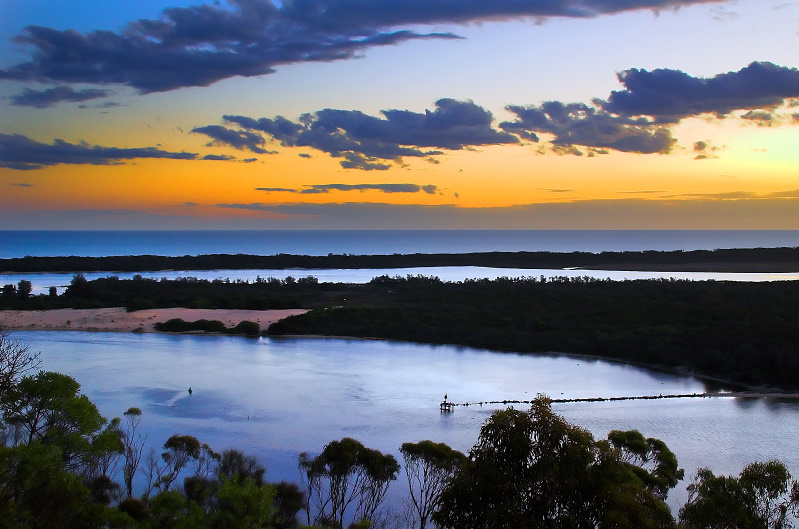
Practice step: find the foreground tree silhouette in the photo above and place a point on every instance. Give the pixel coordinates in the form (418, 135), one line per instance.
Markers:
(53, 455)
(428, 466)
(347, 474)
(15, 362)
(762, 496)
(534, 469)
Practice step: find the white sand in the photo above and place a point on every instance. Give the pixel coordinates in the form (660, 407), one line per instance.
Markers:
(119, 320)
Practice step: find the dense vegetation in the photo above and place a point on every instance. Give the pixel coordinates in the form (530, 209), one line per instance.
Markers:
(61, 461)
(745, 332)
(145, 293)
(746, 259)
(738, 331)
(250, 328)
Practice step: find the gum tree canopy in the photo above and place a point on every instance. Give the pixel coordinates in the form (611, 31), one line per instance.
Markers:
(534, 469)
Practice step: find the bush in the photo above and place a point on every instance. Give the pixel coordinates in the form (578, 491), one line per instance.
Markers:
(250, 328)
(173, 325)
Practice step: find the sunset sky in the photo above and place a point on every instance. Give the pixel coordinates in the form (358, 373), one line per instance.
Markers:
(406, 114)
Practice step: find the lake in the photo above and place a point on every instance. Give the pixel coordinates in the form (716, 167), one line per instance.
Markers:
(278, 397)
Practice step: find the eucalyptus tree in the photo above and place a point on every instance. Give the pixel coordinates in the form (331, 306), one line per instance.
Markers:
(55, 458)
(428, 466)
(346, 477)
(534, 469)
(132, 447)
(16, 361)
(763, 496)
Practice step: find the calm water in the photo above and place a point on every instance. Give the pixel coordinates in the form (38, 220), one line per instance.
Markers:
(43, 281)
(278, 397)
(100, 243)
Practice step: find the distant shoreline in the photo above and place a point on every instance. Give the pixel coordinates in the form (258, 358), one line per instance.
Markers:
(745, 260)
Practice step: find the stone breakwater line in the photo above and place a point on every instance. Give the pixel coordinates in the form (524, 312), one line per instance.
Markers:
(736, 394)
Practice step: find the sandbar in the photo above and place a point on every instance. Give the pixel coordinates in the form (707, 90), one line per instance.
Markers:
(117, 319)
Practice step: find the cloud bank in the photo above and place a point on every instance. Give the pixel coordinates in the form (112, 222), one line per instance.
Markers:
(22, 153)
(200, 45)
(365, 142)
(637, 119)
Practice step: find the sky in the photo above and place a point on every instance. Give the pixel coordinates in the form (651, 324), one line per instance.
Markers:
(399, 114)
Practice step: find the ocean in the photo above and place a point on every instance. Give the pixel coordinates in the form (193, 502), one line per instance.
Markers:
(377, 242)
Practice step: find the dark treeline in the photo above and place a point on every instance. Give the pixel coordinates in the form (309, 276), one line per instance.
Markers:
(743, 332)
(738, 331)
(749, 259)
(145, 293)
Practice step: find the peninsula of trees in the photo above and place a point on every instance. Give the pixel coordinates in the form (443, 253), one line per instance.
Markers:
(737, 331)
(725, 260)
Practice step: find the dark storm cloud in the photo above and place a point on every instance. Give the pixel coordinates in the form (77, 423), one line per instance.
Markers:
(51, 96)
(327, 188)
(235, 138)
(671, 95)
(199, 45)
(22, 184)
(218, 157)
(363, 140)
(22, 153)
(575, 124)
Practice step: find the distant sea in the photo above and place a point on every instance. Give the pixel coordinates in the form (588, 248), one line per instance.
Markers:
(368, 242)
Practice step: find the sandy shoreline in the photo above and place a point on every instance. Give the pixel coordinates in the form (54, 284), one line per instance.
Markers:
(117, 319)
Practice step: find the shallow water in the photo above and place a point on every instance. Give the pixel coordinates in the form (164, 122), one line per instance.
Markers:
(278, 397)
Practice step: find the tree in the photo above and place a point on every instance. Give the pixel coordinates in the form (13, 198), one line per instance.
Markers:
(235, 464)
(9, 291)
(15, 362)
(24, 289)
(378, 470)
(534, 469)
(79, 287)
(346, 474)
(179, 450)
(49, 408)
(763, 495)
(289, 500)
(133, 447)
(55, 459)
(428, 466)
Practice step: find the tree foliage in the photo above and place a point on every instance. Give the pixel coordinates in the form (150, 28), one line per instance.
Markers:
(534, 469)
(347, 477)
(762, 496)
(16, 361)
(428, 466)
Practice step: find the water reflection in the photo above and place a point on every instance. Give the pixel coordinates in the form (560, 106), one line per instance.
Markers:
(278, 397)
